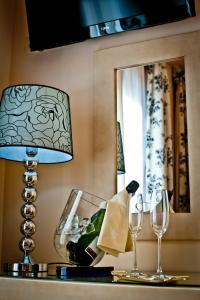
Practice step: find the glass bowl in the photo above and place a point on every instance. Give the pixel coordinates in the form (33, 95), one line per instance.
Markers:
(78, 229)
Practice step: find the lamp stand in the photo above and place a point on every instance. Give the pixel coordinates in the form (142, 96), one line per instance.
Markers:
(28, 211)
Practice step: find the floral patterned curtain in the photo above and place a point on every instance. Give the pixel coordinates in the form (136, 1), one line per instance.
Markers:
(181, 169)
(166, 134)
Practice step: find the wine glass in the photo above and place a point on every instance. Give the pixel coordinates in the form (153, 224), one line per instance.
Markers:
(159, 220)
(135, 226)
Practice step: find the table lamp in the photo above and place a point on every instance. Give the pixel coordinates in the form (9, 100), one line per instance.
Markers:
(120, 152)
(35, 127)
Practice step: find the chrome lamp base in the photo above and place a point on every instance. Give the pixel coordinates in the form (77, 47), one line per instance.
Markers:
(27, 267)
(20, 269)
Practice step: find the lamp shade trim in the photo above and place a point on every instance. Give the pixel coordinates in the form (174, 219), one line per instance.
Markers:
(44, 155)
(35, 116)
(120, 152)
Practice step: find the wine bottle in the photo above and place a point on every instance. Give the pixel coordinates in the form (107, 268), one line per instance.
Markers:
(132, 187)
(85, 251)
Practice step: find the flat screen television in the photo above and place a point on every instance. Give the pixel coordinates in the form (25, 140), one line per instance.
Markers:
(104, 17)
(56, 23)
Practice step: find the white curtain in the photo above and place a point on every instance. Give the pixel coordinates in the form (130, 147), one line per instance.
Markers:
(130, 108)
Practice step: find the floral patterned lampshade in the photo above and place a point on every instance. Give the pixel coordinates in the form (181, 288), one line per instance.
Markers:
(120, 152)
(35, 116)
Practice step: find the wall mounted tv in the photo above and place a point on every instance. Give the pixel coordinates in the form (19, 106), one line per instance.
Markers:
(61, 22)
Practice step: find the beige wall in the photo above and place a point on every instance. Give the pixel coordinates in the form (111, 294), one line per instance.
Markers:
(70, 68)
(6, 31)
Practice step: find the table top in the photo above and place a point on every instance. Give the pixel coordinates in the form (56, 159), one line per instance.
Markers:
(193, 279)
(81, 288)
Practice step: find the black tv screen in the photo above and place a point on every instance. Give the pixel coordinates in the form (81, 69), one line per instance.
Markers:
(111, 16)
(54, 23)
(100, 11)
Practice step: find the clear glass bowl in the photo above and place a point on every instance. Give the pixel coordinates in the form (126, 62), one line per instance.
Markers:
(77, 233)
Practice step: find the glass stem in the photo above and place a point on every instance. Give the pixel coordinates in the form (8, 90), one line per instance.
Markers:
(135, 267)
(159, 269)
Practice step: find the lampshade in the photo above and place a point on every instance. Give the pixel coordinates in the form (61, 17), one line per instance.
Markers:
(120, 152)
(35, 116)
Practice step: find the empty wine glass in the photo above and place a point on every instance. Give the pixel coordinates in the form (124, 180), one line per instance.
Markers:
(135, 225)
(159, 220)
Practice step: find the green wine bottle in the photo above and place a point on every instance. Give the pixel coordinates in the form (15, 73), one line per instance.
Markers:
(85, 251)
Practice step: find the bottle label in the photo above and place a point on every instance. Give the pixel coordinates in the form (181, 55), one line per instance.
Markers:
(92, 250)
